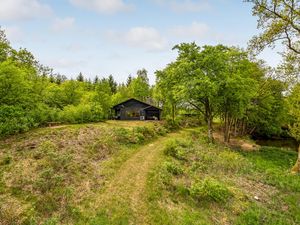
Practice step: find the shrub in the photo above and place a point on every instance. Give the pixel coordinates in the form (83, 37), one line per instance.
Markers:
(146, 132)
(173, 168)
(175, 149)
(170, 124)
(159, 129)
(211, 190)
(81, 113)
(14, 119)
(123, 135)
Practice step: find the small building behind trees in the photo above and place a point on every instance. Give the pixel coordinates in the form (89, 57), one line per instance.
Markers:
(133, 109)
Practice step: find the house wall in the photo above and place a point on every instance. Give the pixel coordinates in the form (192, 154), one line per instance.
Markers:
(131, 110)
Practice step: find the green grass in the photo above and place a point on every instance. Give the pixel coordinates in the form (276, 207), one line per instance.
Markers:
(60, 176)
(50, 176)
(217, 185)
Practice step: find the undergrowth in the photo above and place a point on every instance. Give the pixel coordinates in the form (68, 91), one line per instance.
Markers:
(203, 183)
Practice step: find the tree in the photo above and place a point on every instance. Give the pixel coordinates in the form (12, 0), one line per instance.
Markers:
(236, 90)
(96, 80)
(139, 87)
(59, 79)
(166, 92)
(5, 48)
(143, 74)
(280, 22)
(113, 84)
(200, 71)
(129, 80)
(103, 96)
(14, 88)
(80, 77)
(294, 111)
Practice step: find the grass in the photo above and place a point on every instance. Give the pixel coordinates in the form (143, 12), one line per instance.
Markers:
(50, 176)
(212, 184)
(133, 173)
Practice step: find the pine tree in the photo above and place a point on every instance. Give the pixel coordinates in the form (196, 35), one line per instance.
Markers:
(80, 77)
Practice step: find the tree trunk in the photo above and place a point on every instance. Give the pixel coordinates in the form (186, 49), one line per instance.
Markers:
(210, 129)
(229, 129)
(209, 120)
(236, 123)
(173, 112)
(296, 168)
(225, 126)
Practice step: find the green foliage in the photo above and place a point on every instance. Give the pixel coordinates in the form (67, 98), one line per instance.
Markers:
(276, 24)
(14, 119)
(175, 149)
(294, 111)
(82, 113)
(221, 184)
(32, 95)
(173, 168)
(139, 134)
(211, 190)
(139, 86)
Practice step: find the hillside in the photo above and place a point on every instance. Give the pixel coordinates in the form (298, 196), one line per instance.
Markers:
(137, 173)
(50, 175)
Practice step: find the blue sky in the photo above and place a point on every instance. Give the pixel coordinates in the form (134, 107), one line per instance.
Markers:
(102, 37)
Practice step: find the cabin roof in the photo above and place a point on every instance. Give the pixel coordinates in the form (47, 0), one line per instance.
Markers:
(133, 99)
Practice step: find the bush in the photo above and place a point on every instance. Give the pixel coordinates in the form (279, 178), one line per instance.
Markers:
(170, 124)
(82, 113)
(146, 132)
(211, 190)
(14, 119)
(173, 168)
(175, 149)
(124, 136)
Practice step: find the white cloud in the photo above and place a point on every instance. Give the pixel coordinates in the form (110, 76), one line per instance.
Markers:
(13, 33)
(185, 5)
(102, 6)
(63, 24)
(141, 37)
(64, 63)
(195, 30)
(23, 9)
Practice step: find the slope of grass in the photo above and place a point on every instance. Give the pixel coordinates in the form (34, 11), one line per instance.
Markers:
(119, 173)
(49, 176)
(201, 183)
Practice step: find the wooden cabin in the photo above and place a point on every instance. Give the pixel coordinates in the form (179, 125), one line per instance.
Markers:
(133, 109)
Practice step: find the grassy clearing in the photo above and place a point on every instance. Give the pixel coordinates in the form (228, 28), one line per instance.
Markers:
(117, 173)
(51, 176)
(201, 183)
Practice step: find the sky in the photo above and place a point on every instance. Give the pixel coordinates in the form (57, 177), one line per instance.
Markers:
(118, 37)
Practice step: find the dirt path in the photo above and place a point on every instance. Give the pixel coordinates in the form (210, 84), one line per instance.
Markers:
(124, 197)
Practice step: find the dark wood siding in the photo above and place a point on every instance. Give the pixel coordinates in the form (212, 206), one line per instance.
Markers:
(131, 110)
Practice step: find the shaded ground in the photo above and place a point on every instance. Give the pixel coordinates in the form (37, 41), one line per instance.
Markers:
(237, 143)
